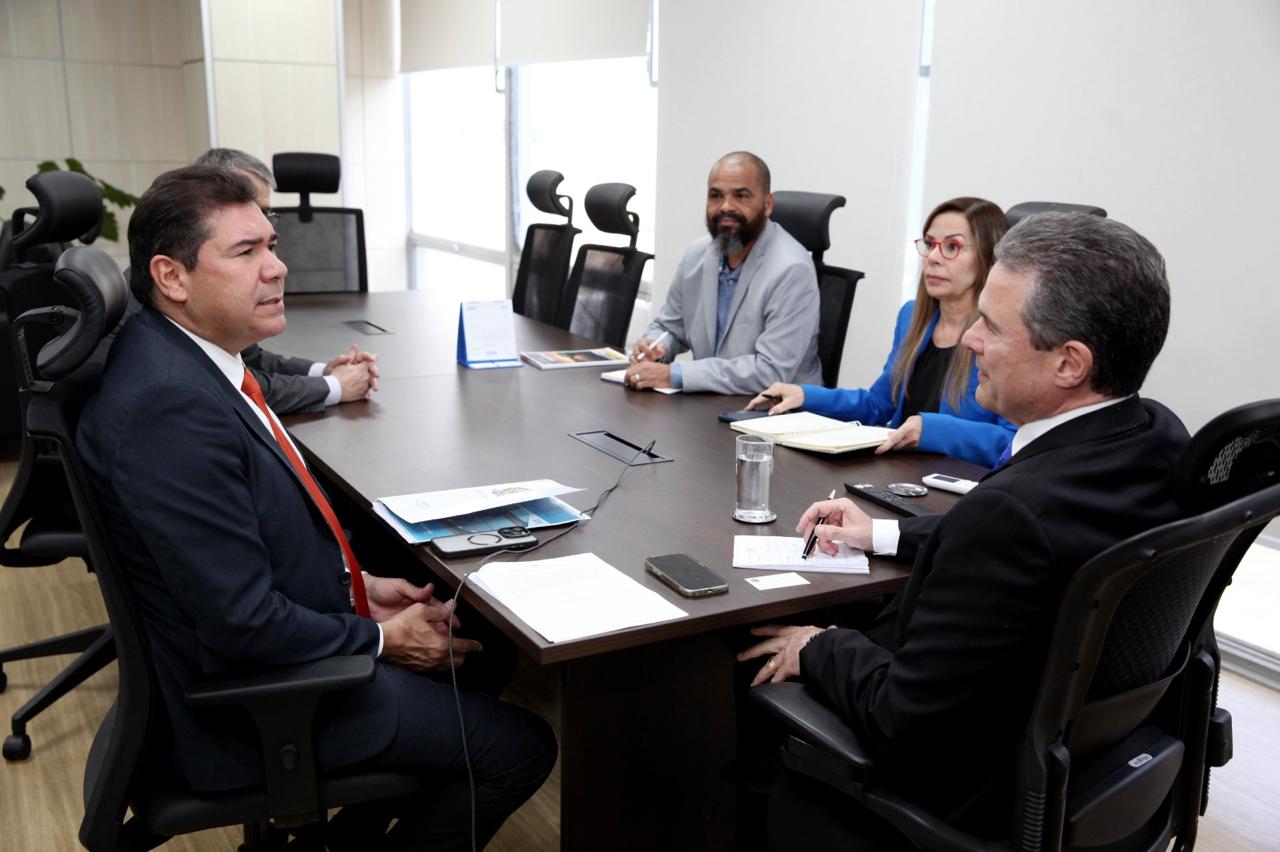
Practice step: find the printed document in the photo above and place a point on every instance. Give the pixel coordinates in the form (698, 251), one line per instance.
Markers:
(433, 505)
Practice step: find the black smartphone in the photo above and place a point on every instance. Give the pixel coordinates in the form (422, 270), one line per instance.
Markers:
(686, 575)
(743, 414)
(475, 544)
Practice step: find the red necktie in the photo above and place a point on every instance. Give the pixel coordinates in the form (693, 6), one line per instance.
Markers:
(251, 390)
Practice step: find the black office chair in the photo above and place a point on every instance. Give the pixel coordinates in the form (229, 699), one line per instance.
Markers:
(1122, 729)
(807, 216)
(1236, 453)
(123, 771)
(1018, 212)
(323, 247)
(39, 503)
(548, 249)
(601, 292)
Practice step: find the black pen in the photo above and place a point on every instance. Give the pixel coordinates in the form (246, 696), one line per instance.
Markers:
(813, 533)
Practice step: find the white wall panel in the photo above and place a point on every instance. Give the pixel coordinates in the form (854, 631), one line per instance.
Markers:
(33, 103)
(275, 31)
(823, 91)
(1164, 114)
(127, 112)
(30, 29)
(141, 32)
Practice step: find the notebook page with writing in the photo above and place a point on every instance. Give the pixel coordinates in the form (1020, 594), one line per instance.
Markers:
(805, 430)
(782, 553)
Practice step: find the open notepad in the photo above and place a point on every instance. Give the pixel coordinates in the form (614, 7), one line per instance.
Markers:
(782, 553)
(808, 431)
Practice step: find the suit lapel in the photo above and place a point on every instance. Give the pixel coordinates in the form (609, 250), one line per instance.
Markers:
(710, 287)
(219, 381)
(755, 259)
(1124, 416)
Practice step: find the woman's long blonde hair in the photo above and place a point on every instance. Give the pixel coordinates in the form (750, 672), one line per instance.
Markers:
(988, 224)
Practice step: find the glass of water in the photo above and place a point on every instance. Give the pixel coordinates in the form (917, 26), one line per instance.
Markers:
(754, 466)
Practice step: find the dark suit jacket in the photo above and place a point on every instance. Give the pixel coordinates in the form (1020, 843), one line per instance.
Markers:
(942, 684)
(233, 566)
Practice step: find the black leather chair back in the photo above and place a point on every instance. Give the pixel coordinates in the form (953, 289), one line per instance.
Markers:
(324, 247)
(70, 206)
(807, 216)
(547, 252)
(1018, 212)
(601, 292)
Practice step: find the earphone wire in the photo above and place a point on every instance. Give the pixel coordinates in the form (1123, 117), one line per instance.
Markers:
(517, 552)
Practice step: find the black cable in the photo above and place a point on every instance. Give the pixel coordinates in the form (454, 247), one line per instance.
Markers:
(517, 552)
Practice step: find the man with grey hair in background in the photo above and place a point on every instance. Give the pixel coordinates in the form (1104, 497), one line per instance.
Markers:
(744, 300)
(295, 384)
(1074, 313)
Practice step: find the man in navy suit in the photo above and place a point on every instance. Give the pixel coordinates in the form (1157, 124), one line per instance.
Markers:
(940, 686)
(237, 565)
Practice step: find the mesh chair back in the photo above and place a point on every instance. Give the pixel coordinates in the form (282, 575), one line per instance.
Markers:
(1120, 640)
(836, 289)
(807, 217)
(543, 271)
(325, 254)
(602, 292)
(1018, 212)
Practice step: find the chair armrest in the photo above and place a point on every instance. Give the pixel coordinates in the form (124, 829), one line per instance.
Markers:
(315, 678)
(806, 717)
(282, 704)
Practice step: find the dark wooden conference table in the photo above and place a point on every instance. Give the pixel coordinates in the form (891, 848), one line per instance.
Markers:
(647, 719)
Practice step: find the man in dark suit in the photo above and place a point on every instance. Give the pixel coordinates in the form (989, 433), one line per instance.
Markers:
(234, 553)
(941, 684)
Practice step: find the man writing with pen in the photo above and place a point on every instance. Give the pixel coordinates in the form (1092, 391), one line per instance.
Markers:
(743, 300)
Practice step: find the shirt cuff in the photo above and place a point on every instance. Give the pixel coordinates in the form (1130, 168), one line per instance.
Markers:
(677, 375)
(335, 391)
(379, 654)
(884, 537)
(317, 368)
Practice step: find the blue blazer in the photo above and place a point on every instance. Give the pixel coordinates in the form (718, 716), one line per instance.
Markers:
(969, 432)
(232, 565)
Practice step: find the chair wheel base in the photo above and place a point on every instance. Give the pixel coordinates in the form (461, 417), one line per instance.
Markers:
(17, 747)
(4, 680)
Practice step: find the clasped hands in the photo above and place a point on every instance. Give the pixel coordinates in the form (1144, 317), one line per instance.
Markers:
(356, 372)
(645, 371)
(415, 625)
(844, 522)
(782, 397)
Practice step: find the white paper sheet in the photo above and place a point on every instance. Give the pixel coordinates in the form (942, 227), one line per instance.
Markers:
(782, 553)
(573, 596)
(433, 505)
(778, 581)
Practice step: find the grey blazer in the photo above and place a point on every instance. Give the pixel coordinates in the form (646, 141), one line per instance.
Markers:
(772, 335)
(285, 382)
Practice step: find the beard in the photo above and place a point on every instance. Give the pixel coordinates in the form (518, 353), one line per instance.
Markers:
(730, 242)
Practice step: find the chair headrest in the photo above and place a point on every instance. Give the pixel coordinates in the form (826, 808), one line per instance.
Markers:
(306, 173)
(1233, 454)
(70, 208)
(806, 216)
(542, 187)
(98, 290)
(1018, 212)
(606, 205)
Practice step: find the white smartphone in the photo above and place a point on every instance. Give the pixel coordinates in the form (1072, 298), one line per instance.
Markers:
(949, 483)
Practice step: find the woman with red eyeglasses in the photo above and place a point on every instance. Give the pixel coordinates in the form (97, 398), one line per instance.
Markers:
(926, 390)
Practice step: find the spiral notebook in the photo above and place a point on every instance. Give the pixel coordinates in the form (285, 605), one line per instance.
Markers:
(808, 431)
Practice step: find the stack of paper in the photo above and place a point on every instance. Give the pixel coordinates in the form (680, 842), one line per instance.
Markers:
(616, 376)
(573, 596)
(530, 504)
(782, 553)
(805, 430)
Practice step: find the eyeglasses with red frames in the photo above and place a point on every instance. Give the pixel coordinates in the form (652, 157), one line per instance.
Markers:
(950, 246)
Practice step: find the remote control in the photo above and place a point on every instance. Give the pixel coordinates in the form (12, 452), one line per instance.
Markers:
(949, 483)
(885, 500)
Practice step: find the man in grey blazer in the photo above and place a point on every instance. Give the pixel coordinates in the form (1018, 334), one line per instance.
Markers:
(744, 299)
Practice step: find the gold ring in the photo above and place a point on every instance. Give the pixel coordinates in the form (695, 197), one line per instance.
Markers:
(773, 664)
